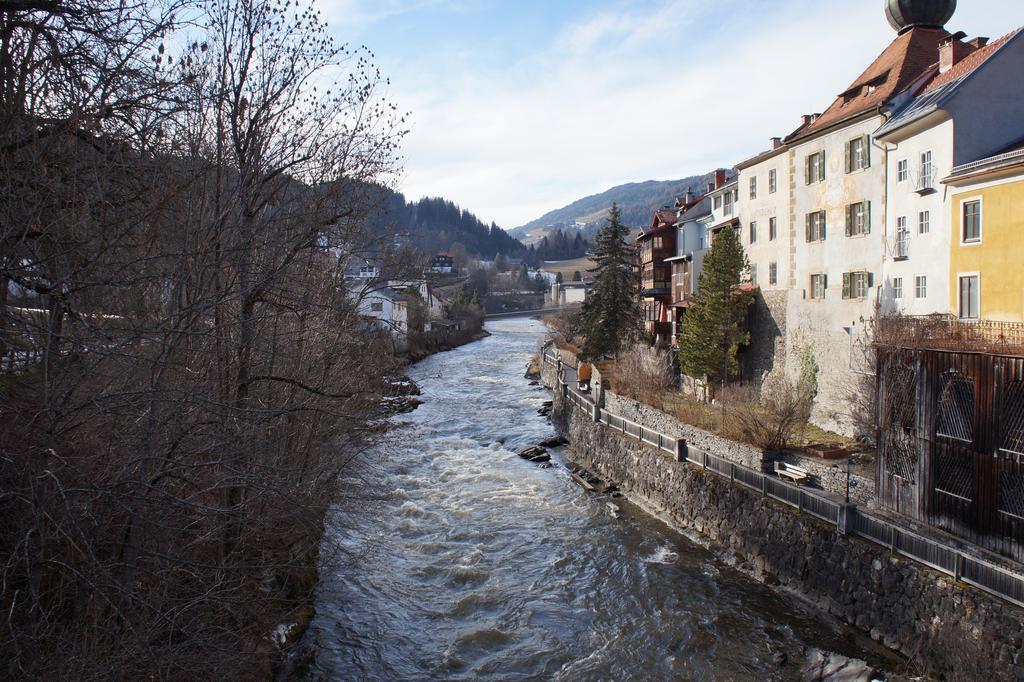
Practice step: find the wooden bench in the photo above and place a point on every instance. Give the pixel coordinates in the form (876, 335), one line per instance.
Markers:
(792, 472)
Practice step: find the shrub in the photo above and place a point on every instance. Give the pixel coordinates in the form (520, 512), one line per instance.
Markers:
(772, 422)
(645, 374)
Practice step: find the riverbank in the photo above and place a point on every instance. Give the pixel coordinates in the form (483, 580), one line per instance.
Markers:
(411, 357)
(942, 627)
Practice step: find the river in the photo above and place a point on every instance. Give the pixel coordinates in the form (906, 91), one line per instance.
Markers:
(460, 560)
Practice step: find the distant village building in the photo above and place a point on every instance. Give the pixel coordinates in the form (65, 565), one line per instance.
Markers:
(569, 293)
(442, 263)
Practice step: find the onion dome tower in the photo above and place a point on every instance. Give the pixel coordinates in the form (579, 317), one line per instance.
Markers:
(904, 15)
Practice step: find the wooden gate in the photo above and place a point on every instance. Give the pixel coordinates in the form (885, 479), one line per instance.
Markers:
(951, 443)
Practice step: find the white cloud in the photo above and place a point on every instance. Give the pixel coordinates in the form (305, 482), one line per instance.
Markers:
(623, 95)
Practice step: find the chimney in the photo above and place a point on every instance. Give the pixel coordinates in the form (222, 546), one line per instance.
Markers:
(719, 177)
(952, 51)
(978, 42)
(688, 197)
(776, 142)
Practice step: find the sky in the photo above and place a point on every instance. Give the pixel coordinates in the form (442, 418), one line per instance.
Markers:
(519, 107)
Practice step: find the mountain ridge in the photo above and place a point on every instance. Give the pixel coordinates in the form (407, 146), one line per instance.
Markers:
(636, 200)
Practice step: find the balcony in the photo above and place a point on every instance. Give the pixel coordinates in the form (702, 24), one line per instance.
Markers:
(924, 178)
(901, 249)
(656, 287)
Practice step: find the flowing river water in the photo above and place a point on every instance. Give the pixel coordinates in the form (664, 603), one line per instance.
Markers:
(460, 560)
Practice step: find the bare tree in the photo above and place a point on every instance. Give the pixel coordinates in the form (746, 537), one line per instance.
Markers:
(186, 373)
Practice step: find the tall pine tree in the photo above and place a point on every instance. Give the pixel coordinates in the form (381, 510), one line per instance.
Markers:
(610, 319)
(712, 329)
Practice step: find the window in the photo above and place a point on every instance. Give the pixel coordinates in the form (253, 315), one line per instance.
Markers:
(971, 224)
(753, 188)
(659, 242)
(753, 273)
(816, 226)
(856, 284)
(902, 170)
(753, 232)
(927, 169)
(815, 170)
(969, 297)
(897, 288)
(680, 277)
(858, 154)
(924, 222)
(818, 285)
(377, 307)
(902, 239)
(858, 219)
(773, 231)
(773, 273)
(920, 286)
(772, 181)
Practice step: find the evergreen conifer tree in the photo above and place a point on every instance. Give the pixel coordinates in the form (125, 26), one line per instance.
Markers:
(712, 329)
(610, 319)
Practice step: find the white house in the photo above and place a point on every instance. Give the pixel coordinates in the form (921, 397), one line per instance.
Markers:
(765, 225)
(568, 293)
(967, 107)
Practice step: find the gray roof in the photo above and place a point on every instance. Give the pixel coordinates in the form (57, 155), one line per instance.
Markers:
(390, 294)
(699, 210)
(919, 107)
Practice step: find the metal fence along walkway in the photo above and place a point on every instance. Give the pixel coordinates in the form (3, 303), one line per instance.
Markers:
(847, 518)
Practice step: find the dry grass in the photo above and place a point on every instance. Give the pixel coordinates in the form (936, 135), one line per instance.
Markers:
(730, 422)
(568, 267)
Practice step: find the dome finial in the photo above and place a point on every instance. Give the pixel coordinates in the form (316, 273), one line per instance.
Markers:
(904, 15)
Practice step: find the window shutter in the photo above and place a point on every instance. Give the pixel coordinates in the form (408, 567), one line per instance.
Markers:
(821, 224)
(849, 156)
(807, 225)
(807, 171)
(846, 284)
(867, 151)
(849, 221)
(867, 217)
(825, 280)
(871, 279)
(822, 164)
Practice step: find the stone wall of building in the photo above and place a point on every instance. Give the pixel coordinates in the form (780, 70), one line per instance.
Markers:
(764, 360)
(947, 629)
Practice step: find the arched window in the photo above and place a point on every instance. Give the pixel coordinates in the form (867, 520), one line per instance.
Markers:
(955, 419)
(1012, 419)
(954, 468)
(899, 418)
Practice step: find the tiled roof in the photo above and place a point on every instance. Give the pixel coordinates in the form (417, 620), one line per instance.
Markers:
(968, 64)
(906, 59)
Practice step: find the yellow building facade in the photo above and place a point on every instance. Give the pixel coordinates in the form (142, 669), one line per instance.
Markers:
(986, 273)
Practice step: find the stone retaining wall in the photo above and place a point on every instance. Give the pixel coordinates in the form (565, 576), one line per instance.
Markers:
(948, 629)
